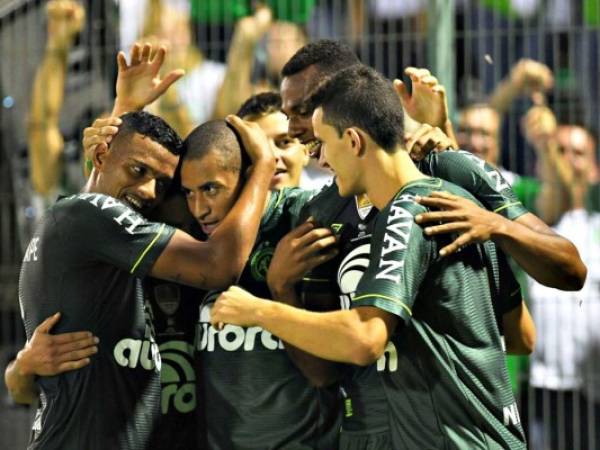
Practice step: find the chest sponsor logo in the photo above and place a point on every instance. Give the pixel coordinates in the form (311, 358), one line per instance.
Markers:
(350, 271)
(31, 254)
(133, 353)
(395, 240)
(125, 216)
(231, 338)
(177, 377)
(497, 181)
(511, 415)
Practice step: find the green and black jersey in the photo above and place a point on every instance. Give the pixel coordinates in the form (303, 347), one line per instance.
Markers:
(173, 309)
(365, 410)
(444, 371)
(477, 177)
(253, 396)
(86, 260)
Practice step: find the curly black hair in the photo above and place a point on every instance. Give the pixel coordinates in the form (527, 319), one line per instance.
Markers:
(328, 55)
(152, 126)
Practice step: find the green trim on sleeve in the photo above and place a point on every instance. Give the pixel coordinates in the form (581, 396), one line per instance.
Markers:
(385, 297)
(508, 205)
(147, 249)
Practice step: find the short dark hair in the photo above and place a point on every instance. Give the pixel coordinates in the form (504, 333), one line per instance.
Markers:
(260, 105)
(328, 55)
(219, 136)
(153, 127)
(360, 96)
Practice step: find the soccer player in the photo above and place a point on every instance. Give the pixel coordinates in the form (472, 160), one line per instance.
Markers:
(444, 378)
(291, 156)
(251, 394)
(87, 260)
(546, 256)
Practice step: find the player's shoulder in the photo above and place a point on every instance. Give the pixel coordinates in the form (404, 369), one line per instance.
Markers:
(88, 205)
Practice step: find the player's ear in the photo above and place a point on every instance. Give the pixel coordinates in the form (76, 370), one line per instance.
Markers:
(99, 155)
(357, 141)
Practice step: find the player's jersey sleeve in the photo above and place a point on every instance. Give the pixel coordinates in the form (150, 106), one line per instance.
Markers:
(477, 177)
(400, 257)
(296, 200)
(103, 229)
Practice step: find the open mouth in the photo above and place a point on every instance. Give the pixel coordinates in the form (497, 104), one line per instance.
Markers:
(208, 227)
(134, 202)
(314, 148)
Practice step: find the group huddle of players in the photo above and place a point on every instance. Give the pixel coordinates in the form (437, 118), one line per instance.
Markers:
(225, 308)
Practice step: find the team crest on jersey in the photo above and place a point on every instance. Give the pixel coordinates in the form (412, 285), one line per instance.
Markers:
(260, 261)
(363, 206)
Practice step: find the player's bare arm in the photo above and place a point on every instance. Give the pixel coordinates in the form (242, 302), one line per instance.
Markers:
(299, 252)
(218, 262)
(46, 355)
(357, 336)
(549, 258)
(519, 331)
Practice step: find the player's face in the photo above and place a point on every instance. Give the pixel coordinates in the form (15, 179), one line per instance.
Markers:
(290, 155)
(578, 149)
(478, 133)
(137, 171)
(294, 90)
(211, 190)
(337, 152)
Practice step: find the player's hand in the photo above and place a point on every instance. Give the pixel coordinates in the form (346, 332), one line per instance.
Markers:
(65, 21)
(459, 215)
(235, 306)
(48, 354)
(427, 103)
(529, 76)
(102, 131)
(426, 139)
(139, 82)
(297, 253)
(254, 140)
(251, 29)
(539, 127)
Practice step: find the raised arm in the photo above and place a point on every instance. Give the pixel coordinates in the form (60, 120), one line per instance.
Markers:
(527, 77)
(46, 354)
(44, 139)
(218, 262)
(540, 126)
(237, 84)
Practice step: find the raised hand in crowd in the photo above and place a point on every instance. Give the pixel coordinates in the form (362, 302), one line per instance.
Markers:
(65, 21)
(139, 83)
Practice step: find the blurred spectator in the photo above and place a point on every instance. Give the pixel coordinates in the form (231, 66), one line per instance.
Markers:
(564, 411)
(55, 166)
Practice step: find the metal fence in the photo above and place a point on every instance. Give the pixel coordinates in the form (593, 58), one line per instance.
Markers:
(469, 45)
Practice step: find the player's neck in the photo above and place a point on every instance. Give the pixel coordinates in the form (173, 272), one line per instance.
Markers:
(387, 174)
